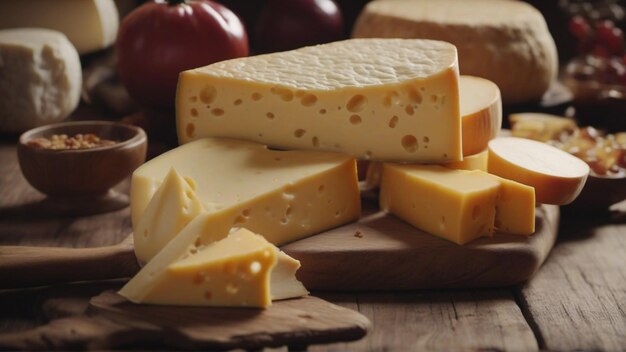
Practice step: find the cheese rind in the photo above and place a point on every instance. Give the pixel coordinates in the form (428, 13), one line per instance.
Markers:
(471, 162)
(395, 100)
(457, 205)
(285, 195)
(41, 78)
(481, 113)
(557, 176)
(89, 24)
(507, 42)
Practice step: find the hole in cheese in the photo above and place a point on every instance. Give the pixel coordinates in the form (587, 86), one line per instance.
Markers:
(194, 112)
(288, 211)
(269, 115)
(207, 94)
(322, 111)
(145, 233)
(426, 139)
(256, 96)
(393, 121)
(442, 223)
(308, 100)
(208, 295)
(390, 99)
(217, 112)
(237, 102)
(356, 103)
(409, 110)
(414, 95)
(355, 119)
(232, 288)
(246, 212)
(193, 99)
(299, 132)
(320, 189)
(315, 141)
(368, 154)
(190, 129)
(409, 142)
(284, 93)
(239, 220)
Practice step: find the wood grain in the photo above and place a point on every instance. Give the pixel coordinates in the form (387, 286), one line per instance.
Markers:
(112, 322)
(578, 299)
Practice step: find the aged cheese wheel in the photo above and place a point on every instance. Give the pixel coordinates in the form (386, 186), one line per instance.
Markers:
(504, 41)
(41, 78)
(558, 177)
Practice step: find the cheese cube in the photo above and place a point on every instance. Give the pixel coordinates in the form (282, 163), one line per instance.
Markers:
(234, 271)
(457, 205)
(380, 99)
(285, 195)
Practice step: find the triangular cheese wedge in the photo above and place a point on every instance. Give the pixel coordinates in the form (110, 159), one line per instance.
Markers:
(284, 283)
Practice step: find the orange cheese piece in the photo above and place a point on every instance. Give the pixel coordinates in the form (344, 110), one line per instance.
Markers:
(558, 177)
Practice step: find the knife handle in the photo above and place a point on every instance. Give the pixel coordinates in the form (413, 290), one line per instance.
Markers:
(22, 266)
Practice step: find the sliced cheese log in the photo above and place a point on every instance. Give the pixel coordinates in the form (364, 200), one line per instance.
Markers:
(40, 77)
(481, 113)
(457, 205)
(507, 42)
(472, 162)
(541, 127)
(89, 24)
(239, 270)
(557, 176)
(380, 99)
(285, 195)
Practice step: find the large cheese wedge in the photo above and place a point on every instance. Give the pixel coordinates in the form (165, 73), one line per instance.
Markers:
(557, 176)
(285, 195)
(471, 162)
(481, 113)
(507, 42)
(235, 271)
(40, 77)
(458, 205)
(380, 99)
(89, 24)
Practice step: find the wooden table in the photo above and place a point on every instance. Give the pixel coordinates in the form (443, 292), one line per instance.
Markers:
(577, 301)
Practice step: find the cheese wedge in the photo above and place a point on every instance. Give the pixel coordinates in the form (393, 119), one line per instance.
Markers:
(379, 99)
(471, 162)
(481, 113)
(285, 195)
(457, 205)
(507, 42)
(239, 270)
(557, 176)
(515, 208)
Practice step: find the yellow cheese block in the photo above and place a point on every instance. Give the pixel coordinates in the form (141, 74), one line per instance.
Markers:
(379, 99)
(457, 205)
(557, 176)
(285, 195)
(481, 112)
(471, 162)
(234, 271)
(515, 207)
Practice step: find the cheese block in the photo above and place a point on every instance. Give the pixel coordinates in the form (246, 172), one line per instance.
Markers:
(515, 208)
(285, 195)
(472, 162)
(41, 77)
(379, 99)
(541, 127)
(481, 113)
(457, 205)
(557, 176)
(235, 271)
(89, 24)
(507, 42)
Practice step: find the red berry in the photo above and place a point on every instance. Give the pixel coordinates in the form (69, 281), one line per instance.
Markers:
(610, 36)
(579, 27)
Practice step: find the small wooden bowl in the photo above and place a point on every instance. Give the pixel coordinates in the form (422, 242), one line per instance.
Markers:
(80, 180)
(599, 194)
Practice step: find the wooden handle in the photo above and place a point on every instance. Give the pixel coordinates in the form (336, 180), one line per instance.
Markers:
(35, 266)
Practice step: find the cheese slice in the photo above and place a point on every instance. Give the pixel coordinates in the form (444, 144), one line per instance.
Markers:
(507, 42)
(285, 195)
(457, 205)
(41, 77)
(380, 99)
(89, 24)
(541, 127)
(471, 162)
(557, 176)
(481, 113)
(234, 271)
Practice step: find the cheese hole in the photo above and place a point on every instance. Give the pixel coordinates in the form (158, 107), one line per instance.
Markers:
(191, 183)
(200, 277)
(208, 295)
(269, 115)
(255, 267)
(445, 155)
(217, 112)
(434, 98)
(193, 250)
(414, 95)
(232, 288)
(278, 158)
(256, 96)
(246, 212)
(299, 132)
(308, 100)
(476, 211)
(190, 129)
(426, 139)
(284, 93)
(288, 211)
(237, 102)
(322, 111)
(260, 134)
(197, 243)
(390, 99)
(393, 121)
(409, 110)
(315, 141)
(409, 142)
(355, 119)
(145, 233)
(356, 103)
(239, 220)
(320, 189)
(413, 205)
(193, 99)
(207, 94)
(284, 221)
(194, 112)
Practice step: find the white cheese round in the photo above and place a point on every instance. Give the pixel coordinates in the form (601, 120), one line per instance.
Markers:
(41, 78)
(507, 42)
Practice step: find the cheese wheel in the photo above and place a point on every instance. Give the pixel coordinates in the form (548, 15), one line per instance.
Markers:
(481, 113)
(558, 177)
(40, 78)
(507, 42)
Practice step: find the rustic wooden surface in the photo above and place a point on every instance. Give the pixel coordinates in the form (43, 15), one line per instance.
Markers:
(577, 301)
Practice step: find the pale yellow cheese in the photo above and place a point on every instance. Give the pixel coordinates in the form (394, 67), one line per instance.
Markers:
(471, 162)
(234, 271)
(379, 99)
(557, 176)
(284, 195)
(515, 208)
(457, 205)
(481, 113)
(541, 127)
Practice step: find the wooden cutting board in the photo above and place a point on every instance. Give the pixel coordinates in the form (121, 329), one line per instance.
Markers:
(111, 322)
